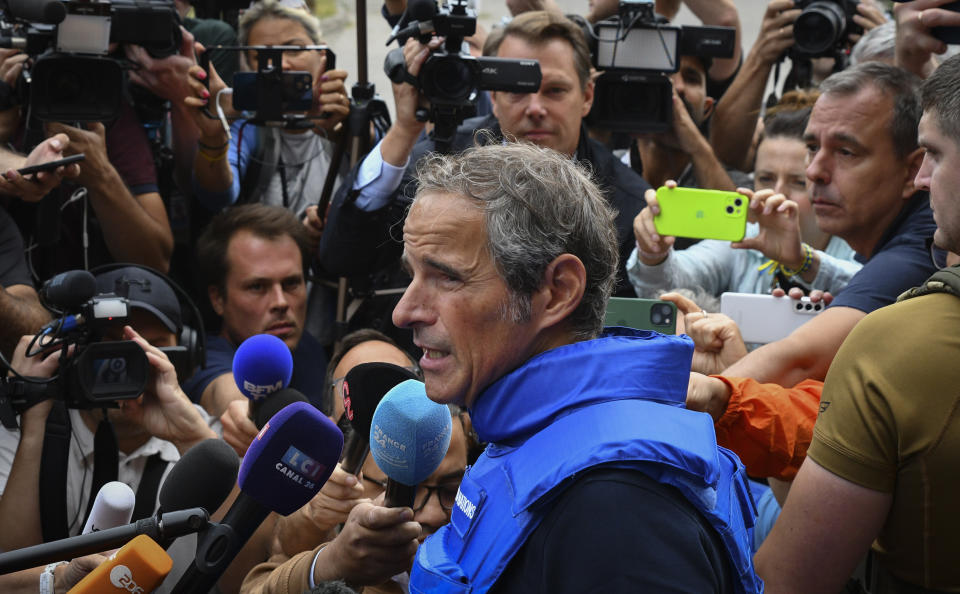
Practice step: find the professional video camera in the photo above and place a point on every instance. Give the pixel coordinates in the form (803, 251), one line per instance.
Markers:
(636, 50)
(70, 77)
(451, 79)
(94, 374)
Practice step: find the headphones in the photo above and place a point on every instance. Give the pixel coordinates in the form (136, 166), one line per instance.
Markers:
(191, 350)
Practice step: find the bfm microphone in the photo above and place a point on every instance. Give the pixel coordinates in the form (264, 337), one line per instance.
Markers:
(262, 365)
(286, 465)
(363, 388)
(68, 290)
(409, 437)
(139, 566)
(264, 410)
(113, 507)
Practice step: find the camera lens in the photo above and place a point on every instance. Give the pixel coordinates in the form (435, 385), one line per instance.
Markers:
(656, 318)
(819, 28)
(799, 306)
(738, 202)
(729, 210)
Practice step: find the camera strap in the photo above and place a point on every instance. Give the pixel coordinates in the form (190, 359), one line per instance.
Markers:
(53, 474)
(106, 459)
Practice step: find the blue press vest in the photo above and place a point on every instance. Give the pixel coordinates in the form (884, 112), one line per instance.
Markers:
(668, 443)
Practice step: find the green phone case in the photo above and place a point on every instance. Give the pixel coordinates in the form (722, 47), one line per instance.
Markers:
(642, 314)
(701, 214)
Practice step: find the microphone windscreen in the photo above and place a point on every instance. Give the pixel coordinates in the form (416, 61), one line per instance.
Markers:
(113, 507)
(51, 12)
(365, 386)
(69, 289)
(410, 433)
(202, 477)
(138, 566)
(421, 10)
(291, 458)
(262, 365)
(271, 405)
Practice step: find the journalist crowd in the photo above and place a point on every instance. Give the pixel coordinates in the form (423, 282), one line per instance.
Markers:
(263, 333)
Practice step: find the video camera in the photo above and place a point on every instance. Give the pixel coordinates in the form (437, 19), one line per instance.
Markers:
(95, 374)
(636, 50)
(70, 77)
(451, 79)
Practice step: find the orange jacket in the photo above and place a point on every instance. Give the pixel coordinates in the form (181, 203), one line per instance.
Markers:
(769, 426)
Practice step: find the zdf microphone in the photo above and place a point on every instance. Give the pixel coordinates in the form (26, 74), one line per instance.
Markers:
(262, 365)
(409, 438)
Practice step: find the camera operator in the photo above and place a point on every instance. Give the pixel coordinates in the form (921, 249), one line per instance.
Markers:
(356, 240)
(149, 432)
(682, 153)
(733, 124)
(262, 163)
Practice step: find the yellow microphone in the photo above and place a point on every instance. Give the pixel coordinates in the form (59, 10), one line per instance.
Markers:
(138, 567)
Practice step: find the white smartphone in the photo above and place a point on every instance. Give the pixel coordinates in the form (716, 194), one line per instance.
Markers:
(765, 318)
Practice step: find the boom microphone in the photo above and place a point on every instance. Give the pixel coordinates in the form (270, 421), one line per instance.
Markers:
(409, 437)
(113, 507)
(139, 566)
(262, 365)
(286, 465)
(202, 477)
(363, 388)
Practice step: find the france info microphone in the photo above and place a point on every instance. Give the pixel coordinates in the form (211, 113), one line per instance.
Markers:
(113, 507)
(363, 388)
(262, 365)
(264, 410)
(202, 477)
(285, 466)
(409, 437)
(139, 566)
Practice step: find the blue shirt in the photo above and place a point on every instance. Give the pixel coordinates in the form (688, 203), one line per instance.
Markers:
(309, 369)
(900, 261)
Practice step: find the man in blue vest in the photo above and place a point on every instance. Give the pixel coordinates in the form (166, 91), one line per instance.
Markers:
(596, 478)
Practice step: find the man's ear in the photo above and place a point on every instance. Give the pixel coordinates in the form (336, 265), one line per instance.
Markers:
(913, 161)
(587, 97)
(708, 104)
(564, 282)
(216, 299)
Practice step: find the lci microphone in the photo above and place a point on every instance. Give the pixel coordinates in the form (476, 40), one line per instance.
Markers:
(287, 464)
(139, 566)
(409, 437)
(262, 365)
(363, 388)
(113, 507)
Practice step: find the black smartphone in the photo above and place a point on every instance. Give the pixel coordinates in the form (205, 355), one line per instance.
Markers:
(51, 165)
(296, 91)
(948, 35)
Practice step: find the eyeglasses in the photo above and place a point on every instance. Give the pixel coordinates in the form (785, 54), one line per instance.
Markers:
(446, 493)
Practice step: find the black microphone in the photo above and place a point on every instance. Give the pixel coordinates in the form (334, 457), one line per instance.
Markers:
(363, 388)
(68, 290)
(286, 465)
(264, 409)
(161, 528)
(51, 12)
(202, 477)
(416, 20)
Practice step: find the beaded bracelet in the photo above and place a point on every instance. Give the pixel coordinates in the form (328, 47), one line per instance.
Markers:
(213, 158)
(805, 265)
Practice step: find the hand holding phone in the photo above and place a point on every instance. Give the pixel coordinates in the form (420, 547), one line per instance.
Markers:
(701, 214)
(51, 165)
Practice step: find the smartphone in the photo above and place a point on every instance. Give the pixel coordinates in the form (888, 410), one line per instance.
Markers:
(296, 91)
(701, 214)
(765, 318)
(642, 314)
(51, 165)
(948, 35)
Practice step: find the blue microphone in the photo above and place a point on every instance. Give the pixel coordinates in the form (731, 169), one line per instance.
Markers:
(286, 465)
(262, 365)
(409, 437)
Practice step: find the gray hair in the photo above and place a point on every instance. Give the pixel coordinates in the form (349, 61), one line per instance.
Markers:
(938, 94)
(537, 204)
(877, 44)
(899, 85)
(272, 9)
